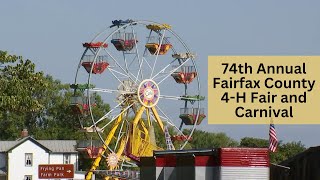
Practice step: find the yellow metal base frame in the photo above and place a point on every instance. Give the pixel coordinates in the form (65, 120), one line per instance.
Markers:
(140, 143)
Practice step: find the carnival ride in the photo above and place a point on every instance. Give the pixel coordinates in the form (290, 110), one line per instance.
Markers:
(143, 80)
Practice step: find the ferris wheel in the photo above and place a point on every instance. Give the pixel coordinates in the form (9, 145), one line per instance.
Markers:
(148, 75)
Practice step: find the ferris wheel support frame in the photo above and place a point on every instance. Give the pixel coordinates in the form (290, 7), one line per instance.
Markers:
(126, 72)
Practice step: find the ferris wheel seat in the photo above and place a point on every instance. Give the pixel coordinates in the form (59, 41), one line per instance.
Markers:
(184, 56)
(184, 78)
(98, 67)
(95, 45)
(81, 87)
(180, 138)
(93, 152)
(76, 105)
(76, 109)
(92, 129)
(121, 22)
(79, 108)
(80, 105)
(190, 119)
(86, 105)
(158, 27)
(153, 47)
(124, 45)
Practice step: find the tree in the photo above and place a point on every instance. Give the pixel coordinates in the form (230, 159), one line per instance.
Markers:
(202, 139)
(286, 151)
(20, 86)
(254, 142)
(29, 99)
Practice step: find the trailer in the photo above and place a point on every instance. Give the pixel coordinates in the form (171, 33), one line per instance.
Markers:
(213, 164)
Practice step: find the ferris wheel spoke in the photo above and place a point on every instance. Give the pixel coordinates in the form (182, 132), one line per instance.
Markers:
(160, 76)
(119, 137)
(132, 61)
(140, 60)
(152, 117)
(117, 115)
(129, 164)
(129, 74)
(171, 97)
(145, 52)
(125, 62)
(140, 67)
(163, 69)
(182, 98)
(107, 141)
(164, 119)
(145, 49)
(113, 70)
(157, 52)
(147, 63)
(110, 91)
(116, 77)
(128, 67)
(170, 120)
(108, 113)
(174, 70)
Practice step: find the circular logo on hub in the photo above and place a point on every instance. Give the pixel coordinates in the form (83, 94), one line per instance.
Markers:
(148, 93)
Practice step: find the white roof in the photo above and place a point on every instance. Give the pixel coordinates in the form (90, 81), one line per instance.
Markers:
(54, 146)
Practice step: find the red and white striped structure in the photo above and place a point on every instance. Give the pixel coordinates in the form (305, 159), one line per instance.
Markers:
(213, 164)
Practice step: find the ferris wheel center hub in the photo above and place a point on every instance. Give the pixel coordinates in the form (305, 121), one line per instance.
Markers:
(148, 93)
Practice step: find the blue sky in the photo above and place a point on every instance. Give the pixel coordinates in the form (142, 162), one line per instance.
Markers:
(51, 32)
